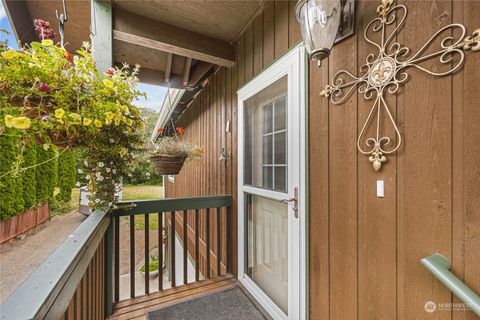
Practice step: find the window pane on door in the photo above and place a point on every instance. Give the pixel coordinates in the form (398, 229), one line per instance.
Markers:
(265, 138)
(280, 147)
(267, 243)
(280, 114)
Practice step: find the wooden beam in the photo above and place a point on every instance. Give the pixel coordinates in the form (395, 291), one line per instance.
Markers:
(168, 67)
(199, 70)
(186, 70)
(143, 31)
(102, 41)
(21, 21)
(157, 77)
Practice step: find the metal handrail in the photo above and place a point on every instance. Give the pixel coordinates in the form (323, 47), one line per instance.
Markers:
(440, 267)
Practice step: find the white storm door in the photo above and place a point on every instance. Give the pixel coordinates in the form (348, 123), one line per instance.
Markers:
(271, 191)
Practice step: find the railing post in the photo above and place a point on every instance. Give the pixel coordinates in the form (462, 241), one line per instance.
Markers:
(109, 268)
(102, 50)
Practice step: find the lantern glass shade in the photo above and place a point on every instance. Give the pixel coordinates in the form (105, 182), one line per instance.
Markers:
(319, 21)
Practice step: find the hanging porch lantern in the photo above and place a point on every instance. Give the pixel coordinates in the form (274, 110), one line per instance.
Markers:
(322, 23)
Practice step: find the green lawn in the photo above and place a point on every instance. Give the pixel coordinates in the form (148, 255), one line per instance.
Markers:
(143, 193)
(129, 193)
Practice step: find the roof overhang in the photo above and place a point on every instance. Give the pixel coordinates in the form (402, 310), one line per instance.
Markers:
(177, 43)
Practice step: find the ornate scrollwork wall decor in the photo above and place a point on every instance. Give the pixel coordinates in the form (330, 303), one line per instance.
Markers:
(386, 71)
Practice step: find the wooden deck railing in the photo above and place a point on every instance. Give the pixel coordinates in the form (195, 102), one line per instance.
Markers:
(71, 283)
(199, 223)
(81, 278)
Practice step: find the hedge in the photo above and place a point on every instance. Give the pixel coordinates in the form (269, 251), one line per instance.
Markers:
(37, 184)
(66, 175)
(30, 178)
(46, 175)
(10, 203)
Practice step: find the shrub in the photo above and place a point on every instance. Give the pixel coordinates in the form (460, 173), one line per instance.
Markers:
(29, 177)
(46, 174)
(66, 175)
(8, 184)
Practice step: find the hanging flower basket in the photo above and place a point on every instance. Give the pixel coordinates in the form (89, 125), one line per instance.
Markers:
(59, 101)
(170, 152)
(167, 164)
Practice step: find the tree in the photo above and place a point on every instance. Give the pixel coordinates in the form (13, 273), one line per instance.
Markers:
(29, 177)
(66, 175)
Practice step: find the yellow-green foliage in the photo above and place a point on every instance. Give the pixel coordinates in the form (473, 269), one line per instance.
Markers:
(49, 97)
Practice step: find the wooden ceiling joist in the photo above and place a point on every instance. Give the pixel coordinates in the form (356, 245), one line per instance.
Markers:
(199, 70)
(139, 30)
(186, 71)
(168, 67)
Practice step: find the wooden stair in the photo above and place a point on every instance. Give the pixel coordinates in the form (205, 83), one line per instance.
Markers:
(137, 308)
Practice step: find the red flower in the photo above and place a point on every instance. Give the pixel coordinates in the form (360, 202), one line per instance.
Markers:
(42, 86)
(109, 72)
(161, 130)
(180, 130)
(68, 56)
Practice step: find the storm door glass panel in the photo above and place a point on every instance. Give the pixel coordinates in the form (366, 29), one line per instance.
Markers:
(265, 138)
(267, 243)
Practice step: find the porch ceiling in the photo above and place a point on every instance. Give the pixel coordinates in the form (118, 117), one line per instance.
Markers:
(77, 29)
(177, 43)
(222, 20)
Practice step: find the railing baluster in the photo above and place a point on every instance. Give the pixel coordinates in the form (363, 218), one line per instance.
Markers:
(219, 241)
(160, 251)
(197, 240)
(117, 257)
(207, 240)
(147, 253)
(132, 256)
(172, 232)
(185, 247)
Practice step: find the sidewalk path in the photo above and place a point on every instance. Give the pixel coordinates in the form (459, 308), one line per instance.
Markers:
(20, 257)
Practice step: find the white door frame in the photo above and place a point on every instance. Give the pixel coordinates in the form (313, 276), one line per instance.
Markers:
(294, 64)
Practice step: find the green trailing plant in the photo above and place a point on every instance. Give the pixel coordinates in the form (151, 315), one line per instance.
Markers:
(50, 97)
(153, 265)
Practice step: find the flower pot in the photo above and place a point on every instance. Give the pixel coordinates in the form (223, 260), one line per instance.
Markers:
(151, 274)
(167, 164)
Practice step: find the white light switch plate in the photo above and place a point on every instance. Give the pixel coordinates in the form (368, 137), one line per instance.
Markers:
(380, 189)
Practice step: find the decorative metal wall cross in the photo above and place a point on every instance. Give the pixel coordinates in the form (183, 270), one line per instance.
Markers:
(386, 71)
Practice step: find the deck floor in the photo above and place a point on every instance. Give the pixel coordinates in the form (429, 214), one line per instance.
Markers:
(139, 307)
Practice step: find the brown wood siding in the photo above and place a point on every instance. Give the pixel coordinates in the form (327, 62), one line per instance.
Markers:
(88, 301)
(268, 37)
(364, 252)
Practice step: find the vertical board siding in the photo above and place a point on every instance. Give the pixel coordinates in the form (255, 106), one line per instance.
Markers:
(205, 121)
(344, 192)
(88, 302)
(364, 252)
